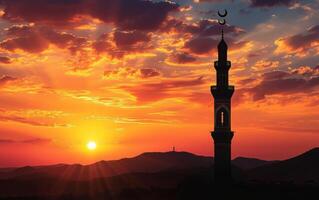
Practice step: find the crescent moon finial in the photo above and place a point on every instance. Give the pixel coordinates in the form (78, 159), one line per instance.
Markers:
(223, 15)
(222, 21)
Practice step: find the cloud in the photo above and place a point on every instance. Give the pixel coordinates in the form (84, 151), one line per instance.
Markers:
(151, 92)
(148, 73)
(205, 45)
(2, 141)
(125, 39)
(37, 141)
(28, 141)
(265, 64)
(28, 121)
(246, 81)
(37, 39)
(31, 44)
(103, 43)
(211, 27)
(185, 59)
(283, 83)
(123, 120)
(125, 14)
(133, 14)
(24, 118)
(271, 3)
(182, 58)
(57, 13)
(201, 45)
(5, 60)
(306, 71)
(5, 79)
(121, 43)
(275, 75)
(299, 43)
(129, 72)
(203, 27)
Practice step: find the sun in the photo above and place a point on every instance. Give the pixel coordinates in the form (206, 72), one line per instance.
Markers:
(91, 145)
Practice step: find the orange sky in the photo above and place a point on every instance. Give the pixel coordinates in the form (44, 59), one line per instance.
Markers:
(138, 79)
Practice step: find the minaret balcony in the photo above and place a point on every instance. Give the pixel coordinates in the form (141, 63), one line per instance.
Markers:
(222, 65)
(225, 92)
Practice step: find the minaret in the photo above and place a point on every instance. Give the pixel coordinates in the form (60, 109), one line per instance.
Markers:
(222, 133)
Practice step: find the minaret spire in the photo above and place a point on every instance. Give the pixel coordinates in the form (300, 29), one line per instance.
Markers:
(222, 93)
(222, 33)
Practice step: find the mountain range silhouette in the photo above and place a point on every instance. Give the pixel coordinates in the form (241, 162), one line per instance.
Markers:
(154, 173)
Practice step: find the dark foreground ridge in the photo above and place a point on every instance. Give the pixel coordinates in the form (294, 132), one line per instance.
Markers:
(170, 175)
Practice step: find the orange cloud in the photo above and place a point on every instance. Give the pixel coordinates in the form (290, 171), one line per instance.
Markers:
(299, 44)
(21, 118)
(265, 65)
(151, 92)
(128, 72)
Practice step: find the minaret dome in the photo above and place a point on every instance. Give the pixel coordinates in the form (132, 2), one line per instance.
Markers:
(222, 49)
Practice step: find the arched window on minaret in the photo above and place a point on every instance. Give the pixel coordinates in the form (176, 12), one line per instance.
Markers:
(222, 119)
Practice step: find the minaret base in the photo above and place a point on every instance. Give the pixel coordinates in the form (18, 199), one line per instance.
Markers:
(222, 158)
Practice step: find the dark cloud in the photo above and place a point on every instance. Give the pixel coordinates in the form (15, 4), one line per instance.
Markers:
(204, 45)
(211, 27)
(28, 141)
(31, 43)
(151, 92)
(271, 3)
(246, 81)
(283, 83)
(277, 86)
(126, 14)
(5, 79)
(131, 40)
(201, 45)
(201, 28)
(121, 43)
(103, 43)
(253, 55)
(57, 13)
(37, 39)
(182, 58)
(275, 75)
(303, 40)
(149, 72)
(5, 60)
(133, 14)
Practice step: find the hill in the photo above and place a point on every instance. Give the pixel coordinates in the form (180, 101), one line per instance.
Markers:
(146, 163)
(160, 175)
(302, 168)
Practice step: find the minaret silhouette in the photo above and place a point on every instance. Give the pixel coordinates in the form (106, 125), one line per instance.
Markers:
(222, 133)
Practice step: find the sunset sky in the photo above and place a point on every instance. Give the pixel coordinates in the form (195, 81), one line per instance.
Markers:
(135, 76)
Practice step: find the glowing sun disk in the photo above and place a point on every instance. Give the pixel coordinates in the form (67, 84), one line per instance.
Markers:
(91, 145)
